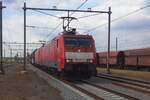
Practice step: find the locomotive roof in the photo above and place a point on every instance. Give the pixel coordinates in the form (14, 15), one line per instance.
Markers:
(70, 35)
(82, 36)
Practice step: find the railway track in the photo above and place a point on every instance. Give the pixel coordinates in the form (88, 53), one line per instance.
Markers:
(72, 84)
(107, 94)
(124, 78)
(94, 91)
(138, 85)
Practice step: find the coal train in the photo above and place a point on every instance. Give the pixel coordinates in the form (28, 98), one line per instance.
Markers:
(137, 59)
(68, 54)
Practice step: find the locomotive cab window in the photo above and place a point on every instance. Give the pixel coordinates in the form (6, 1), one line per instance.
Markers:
(71, 42)
(78, 42)
(85, 42)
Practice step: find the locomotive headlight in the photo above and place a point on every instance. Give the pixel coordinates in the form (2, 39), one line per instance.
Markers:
(91, 60)
(68, 60)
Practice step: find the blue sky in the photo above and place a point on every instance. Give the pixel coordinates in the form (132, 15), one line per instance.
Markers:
(132, 31)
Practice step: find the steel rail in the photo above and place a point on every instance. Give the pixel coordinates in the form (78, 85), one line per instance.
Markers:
(70, 83)
(131, 87)
(111, 91)
(139, 83)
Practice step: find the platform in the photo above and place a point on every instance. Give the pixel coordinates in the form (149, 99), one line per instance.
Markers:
(15, 85)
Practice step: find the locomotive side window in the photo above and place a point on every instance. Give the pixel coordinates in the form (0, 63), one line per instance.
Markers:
(57, 43)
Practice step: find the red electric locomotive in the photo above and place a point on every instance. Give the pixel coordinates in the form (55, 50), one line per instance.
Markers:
(69, 54)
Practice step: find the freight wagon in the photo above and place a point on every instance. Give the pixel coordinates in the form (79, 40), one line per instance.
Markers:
(129, 59)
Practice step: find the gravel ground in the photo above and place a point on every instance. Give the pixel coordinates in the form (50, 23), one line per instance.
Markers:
(15, 85)
(128, 73)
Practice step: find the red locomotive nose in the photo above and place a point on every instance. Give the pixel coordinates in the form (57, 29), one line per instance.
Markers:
(79, 50)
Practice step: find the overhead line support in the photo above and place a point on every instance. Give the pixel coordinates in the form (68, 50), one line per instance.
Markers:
(1, 38)
(108, 52)
(88, 11)
(24, 67)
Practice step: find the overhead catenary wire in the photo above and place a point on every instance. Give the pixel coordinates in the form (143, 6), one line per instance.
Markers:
(59, 1)
(128, 42)
(107, 3)
(79, 7)
(15, 46)
(46, 13)
(119, 18)
(39, 27)
(92, 14)
(53, 30)
(61, 22)
(52, 16)
(87, 16)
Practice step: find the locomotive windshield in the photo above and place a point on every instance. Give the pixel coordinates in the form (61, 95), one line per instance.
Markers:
(78, 42)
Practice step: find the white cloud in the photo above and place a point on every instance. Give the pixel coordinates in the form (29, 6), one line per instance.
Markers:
(13, 23)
